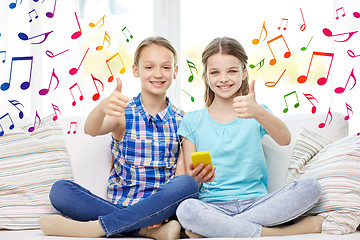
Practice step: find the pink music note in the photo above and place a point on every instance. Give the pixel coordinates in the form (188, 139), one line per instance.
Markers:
(75, 126)
(327, 32)
(51, 55)
(321, 125)
(106, 38)
(131, 36)
(31, 129)
(303, 26)
(322, 80)
(101, 19)
(11, 126)
(45, 91)
(76, 34)
(283, 20)
(122, 70)
(337, 14)
(96, 96)
(348, 108)
(296, 105)
(273, 84)
(36, 15)
(310, 97)
(352, 54)
(342, 89)
(56, 108)
(81, 95)
(51, 14)
(255, 40)
(356, 14)
(73, 71)
(14, 103)
(286, 54)
(25, 37)
(25, 85)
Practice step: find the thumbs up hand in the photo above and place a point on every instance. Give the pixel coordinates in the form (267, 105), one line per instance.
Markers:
(115, 104)
(246, 106)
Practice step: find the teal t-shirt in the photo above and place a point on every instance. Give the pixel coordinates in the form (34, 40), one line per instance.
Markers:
(236, 152)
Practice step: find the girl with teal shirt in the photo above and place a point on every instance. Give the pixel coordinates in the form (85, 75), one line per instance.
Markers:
(234, 200)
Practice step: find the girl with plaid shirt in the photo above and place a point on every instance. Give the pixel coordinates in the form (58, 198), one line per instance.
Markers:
(145, 187)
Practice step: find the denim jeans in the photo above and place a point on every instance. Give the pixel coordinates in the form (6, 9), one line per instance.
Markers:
(245, 217)
(77, 203)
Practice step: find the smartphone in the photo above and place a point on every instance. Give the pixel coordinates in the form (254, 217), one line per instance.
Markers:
(201, 157)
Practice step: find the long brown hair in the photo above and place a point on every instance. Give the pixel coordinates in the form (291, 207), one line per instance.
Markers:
(224, 45)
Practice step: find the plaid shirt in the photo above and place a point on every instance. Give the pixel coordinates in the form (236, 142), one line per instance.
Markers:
(145, 159)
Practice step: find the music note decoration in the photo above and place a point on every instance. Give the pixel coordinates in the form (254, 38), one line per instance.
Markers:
(337, 12)
(303, 26)
(191, 65)
(14, 4)
(11, 126)
(311, 97)
(75, 126)
(287, 54)
(96, 96)
(51, 14)
(31, 129)
(106, 38)
(256, 40)
(283, 20)
(24, 37)
(352, 54)
(304, 48)
(73, 71)
(91, 24)
(131, 36)
(15, 103)
(273, 84)
(327, 32)
(81, 97)
(261, 64)
(122, 70)
(56, 109)
(322, 80)
(51, 55)
(191, 97)
(35, 13)
(26, 84)
(296, 105)
(45, 91)
(342, 89)
(322, 125)
(76, 34)
(348, 109)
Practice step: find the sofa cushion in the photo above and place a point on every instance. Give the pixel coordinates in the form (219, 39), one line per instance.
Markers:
(278, 157)
(337, 168)
(30, 162)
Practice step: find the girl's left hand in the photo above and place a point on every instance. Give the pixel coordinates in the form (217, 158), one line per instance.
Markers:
(246, 106)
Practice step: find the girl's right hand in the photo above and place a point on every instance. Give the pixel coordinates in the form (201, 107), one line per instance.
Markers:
(201, 175)
(115, 104)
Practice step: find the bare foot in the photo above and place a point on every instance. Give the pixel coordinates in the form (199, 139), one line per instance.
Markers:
(192, 235)
(167, 231)
(57, 225)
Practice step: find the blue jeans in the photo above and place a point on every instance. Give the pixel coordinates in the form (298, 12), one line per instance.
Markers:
(74, 201)
(245, 217)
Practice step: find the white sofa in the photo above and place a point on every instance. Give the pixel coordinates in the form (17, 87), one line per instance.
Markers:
(91, 161)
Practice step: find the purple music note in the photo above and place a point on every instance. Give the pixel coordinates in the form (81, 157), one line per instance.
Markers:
(25, 37)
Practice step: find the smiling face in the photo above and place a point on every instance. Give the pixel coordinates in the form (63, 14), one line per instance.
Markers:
(156, 69)
(225, 74)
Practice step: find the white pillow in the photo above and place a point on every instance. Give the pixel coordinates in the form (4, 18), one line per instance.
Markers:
(30, 162)
(337, 168)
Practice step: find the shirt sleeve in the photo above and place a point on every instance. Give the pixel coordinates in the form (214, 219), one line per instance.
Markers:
(186, 128)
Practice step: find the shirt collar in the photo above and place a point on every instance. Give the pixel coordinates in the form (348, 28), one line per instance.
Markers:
(159, 118)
